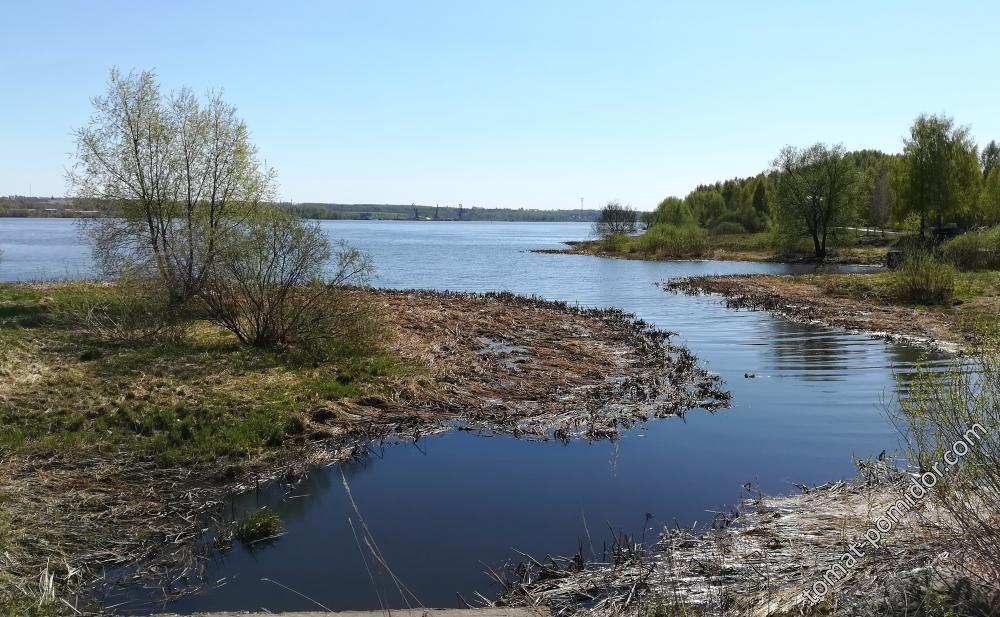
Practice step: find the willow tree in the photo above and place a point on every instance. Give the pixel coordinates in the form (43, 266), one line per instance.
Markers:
(673, 211)
(177, 173)
(940, 172)
(816, 188)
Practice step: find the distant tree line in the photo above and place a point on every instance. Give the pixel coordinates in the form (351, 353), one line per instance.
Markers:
(437, 213)
(22, 206)
(941, 180)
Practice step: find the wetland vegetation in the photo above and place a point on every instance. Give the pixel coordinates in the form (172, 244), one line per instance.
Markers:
(230, 344)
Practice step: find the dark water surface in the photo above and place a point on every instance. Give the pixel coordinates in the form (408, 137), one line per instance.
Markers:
(442, 508)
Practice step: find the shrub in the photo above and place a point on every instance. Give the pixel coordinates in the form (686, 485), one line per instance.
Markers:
(943, 409)
(727, 228)
(976, 250)
(924, 280)
(615, 243)
(673, 241)
(270, 285)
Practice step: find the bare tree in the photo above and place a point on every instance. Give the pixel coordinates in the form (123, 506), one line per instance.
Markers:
(615, 219)
(271, 287)
(177, 173)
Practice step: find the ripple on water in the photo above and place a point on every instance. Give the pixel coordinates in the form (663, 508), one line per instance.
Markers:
(442, 508)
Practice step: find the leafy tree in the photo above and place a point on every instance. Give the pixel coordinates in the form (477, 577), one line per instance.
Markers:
(615, 220)
(178, 174)
(674, 211)
(706, 204)
(941, 171)
(879, 201)
(991, 197)
(761, 200)
(815, 192)
(990, 158)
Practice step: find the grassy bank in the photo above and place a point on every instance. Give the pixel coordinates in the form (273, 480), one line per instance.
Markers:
(972, 310)
(851, 247)
(119, 452)
(113, 452)
(200, 400)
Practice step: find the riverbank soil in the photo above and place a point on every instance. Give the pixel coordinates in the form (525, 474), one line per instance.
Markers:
(863, 303)
(116, 455)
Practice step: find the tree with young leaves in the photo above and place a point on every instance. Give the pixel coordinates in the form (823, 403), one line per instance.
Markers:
(706, 204)
(178, 172)
(673, 211)
(815, 192)
(990, 158)
(940, 172)
(761, 199)
(879, 201)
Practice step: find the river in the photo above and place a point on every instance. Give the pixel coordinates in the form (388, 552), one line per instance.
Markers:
(806, 399)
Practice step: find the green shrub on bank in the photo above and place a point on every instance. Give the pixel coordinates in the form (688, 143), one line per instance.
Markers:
(925, 280)
(615, 243)
(976, 250)
(672, 241)
(727, 229)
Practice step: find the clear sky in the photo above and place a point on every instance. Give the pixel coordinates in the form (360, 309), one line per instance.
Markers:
(532, 104)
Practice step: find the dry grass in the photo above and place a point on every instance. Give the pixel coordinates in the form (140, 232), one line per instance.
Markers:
(758, 561)
(115, 457)
(861, 303)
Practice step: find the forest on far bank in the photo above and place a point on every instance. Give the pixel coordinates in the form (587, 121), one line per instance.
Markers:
(64, 207)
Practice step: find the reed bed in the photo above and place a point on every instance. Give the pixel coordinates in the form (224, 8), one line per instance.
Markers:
(760, 559)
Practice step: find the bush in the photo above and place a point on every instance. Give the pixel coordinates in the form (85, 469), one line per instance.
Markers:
(976, 250)
(727, 228)
(924, 280)
(614, 243)
(270, 286)
(943, 409)
(673, 241)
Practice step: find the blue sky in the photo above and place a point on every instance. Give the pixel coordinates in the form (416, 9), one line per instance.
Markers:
(514, 104)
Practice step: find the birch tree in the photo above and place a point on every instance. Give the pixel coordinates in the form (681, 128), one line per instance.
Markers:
(177, 173)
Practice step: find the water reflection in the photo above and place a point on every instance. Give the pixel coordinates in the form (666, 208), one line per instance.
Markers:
(806, 401)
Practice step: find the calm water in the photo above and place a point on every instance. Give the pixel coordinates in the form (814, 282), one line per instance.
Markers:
(442, 508)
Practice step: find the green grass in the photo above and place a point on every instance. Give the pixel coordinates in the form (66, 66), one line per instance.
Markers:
(258, 526)
(658, 243)
(203, 400)
(974, 308)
